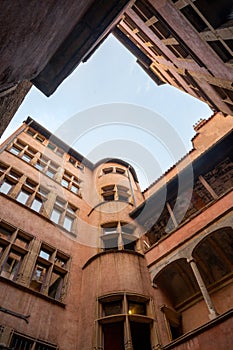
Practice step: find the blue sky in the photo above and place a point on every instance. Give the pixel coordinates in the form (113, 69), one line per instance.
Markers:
(111, 75)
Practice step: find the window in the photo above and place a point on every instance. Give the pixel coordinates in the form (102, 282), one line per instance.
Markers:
(35, 135)
(8, 178)
(47, 166)
(111, 169)
(50, 272)
(71, 182)
(6, 186)
(76, 163)
(34, 197)
(123, 193)
(64, 214)
(120, 171)
(49, 266)
(14, 247)
(22, 150)
(22, 342)
(124, 318)
(118, 235)
(6, 231)
(23, 196)
(115, 192)
(29, 193)
(108, 170)
(55, 149)
(108, 193)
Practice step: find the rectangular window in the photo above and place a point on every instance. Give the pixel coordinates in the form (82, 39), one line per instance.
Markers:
(50, 173)
(27, 158)
(39, 277)
(55, 285)
(40, 138)
(20, 342)
(74, 189)
(14, 150)
(36, 205)
(50, 272)
(39, 166)
(11, 265)
(6, 231)
(68, 223)
(23, 197)
(56, 215)
(71, 182)
(31, 132)
(112, 308)
(64, 183)
(6, 186)
(51, 146)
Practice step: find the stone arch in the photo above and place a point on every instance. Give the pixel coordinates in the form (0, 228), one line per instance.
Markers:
(177, 282)
(214, 255)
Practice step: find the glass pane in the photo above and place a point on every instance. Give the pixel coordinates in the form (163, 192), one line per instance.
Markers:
(31, 132)
(26, 158)
(39, 166)
(44, 254)
(68, 222)
(50, 173)
(39, 273)
(55, 216)
(40, 138)
(110, 230)
(74, 189)
(127, 229)
(6, 187)
(23, 197)
(64, 183)
(36, 205)
(112, 308)
(51, 146)
(14, 150)
(137, 308)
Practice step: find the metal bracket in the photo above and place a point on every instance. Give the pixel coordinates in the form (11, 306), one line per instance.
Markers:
(16, 314)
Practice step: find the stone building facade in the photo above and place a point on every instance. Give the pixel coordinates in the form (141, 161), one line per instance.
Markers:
(89, 261)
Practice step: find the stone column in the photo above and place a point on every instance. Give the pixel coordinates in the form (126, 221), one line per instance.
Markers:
(212, 312)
